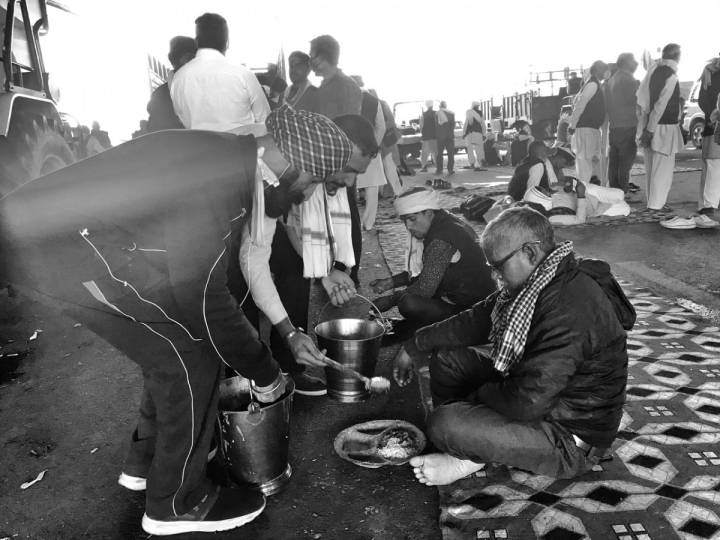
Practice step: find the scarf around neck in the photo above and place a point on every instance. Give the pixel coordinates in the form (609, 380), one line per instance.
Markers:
(511, 317)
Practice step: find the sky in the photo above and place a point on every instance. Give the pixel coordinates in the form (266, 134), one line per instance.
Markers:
(456, 50)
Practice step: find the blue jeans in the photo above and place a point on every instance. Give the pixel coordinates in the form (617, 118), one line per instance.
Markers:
(467, 429)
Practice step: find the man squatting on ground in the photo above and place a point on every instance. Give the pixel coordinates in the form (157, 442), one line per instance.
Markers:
(446, 272)
(548, 398)
(278, 257)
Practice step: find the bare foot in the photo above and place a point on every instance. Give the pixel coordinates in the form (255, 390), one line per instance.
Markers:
(442, 469)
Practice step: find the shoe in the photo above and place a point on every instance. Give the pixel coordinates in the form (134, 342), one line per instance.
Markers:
(633, 188)
(469, 167)
(450, 173)
(225, 509)
(676, 222)
(133, 483)
(479, 169)
(139, 483)
(703, 221)
(428, 182)
(424, 169)
(595, 180)
(307, 385)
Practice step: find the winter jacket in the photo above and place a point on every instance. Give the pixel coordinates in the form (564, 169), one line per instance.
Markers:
(574, 367)
(146, 221)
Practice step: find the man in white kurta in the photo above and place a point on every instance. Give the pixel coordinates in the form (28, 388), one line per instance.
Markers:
(587, 118)
(661, 138)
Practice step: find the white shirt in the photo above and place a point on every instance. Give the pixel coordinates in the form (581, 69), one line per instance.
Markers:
(211, 93)
(255, 267)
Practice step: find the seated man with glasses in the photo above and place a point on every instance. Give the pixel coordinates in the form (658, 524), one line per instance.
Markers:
(446, 270)
(546, 394)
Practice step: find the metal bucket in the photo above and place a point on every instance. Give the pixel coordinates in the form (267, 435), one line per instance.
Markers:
(255, 443)
(354, 343)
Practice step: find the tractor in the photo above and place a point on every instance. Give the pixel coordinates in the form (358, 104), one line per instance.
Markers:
(32, 141)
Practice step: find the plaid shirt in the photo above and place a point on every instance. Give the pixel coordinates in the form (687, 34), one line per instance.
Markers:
(511, 317)
(311, 142)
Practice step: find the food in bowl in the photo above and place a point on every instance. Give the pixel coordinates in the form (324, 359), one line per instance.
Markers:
(397, 444)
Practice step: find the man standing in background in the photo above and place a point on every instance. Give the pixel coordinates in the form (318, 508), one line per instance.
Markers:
(301, 92)
(161, 114)
(659, 100)
(475, 136)
(428, 135)
(214, 94)
(621, 105)
(338, 95)
(588, 115)
(709, 196)
(445, 138)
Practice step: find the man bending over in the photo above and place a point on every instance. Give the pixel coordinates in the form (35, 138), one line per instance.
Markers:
(548, 398)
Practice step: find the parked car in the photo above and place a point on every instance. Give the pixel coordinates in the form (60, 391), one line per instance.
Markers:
(693, 122)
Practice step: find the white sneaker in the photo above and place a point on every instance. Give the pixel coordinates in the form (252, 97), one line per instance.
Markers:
(704, 221)
(678, 222)
(133, 483)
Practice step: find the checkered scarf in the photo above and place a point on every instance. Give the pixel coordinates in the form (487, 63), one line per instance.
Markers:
(310, 141)
(511, 317)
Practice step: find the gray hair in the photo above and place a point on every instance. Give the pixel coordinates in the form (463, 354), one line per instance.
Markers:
(518, 224)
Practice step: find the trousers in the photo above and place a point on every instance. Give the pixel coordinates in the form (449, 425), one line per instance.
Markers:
(623, 149)
(449, 146)
(467, 429)
(475, 148)
(426, 310)
(428, 151)
(658, 176)
(709, 195)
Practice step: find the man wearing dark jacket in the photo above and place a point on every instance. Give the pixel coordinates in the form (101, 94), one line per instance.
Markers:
(548, 398)
(132, 244)
(161, 114)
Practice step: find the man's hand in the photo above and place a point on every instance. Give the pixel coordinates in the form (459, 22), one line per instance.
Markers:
(379, 286)
(403, 369)
(272, 392)
(304, 350)
(646, 138)
(571, 131)
(384, 303)
(339, 287)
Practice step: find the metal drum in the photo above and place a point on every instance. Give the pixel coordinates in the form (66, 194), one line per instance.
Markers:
(256, 439)
(354, 343)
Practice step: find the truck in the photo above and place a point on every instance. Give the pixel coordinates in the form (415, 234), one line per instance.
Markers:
(32, 141)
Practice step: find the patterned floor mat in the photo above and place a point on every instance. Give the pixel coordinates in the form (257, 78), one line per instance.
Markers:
(664, 479)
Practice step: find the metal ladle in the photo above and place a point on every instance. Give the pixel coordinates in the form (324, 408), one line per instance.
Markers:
(376, 385)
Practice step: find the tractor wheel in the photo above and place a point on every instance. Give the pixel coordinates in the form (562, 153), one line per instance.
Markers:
(32, 149)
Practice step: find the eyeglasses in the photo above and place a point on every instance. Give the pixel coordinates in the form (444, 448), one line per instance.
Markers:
(498, 266)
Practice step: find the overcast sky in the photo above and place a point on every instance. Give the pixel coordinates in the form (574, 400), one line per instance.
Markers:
(458, 50)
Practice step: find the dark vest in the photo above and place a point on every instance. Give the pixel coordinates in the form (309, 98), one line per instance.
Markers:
(161, 112)
(369, 107)
(518, 151)
(429, 129)
(468, 280)
(474, 126)
(594, 114)
(518, 183)
(671, 115)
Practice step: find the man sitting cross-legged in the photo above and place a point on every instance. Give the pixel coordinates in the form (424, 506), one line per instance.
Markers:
(548, 398)
(446, 270)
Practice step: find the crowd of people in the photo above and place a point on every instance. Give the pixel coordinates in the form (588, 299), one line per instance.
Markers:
(612, 114)
(527, 342)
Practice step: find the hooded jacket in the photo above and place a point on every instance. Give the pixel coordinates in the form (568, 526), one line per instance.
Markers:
(574, 368)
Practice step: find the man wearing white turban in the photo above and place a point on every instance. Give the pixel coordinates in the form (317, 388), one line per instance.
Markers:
(446, 270)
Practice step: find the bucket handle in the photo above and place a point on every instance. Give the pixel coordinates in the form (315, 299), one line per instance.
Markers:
(383, 320)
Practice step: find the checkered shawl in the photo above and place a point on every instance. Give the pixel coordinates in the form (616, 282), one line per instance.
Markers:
(511, 317)
(309, 141)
